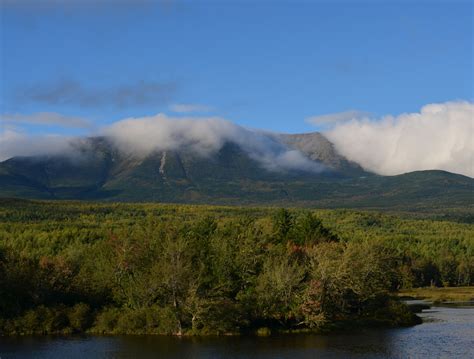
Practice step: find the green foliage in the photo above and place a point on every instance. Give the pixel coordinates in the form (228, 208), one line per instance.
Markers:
(50, 320)
(276, 286)
(282, 224)
(80, 317)
(165, 269)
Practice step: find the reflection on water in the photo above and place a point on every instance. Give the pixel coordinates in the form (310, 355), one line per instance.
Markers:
(447, 332)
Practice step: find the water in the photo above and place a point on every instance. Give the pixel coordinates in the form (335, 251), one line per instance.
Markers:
(447, 332)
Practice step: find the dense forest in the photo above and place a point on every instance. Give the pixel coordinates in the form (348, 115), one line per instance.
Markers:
(73, 267)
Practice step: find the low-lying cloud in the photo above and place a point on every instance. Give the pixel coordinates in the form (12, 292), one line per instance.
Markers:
(141, 137)
(14, 143)
(204, 137)
(440, 136)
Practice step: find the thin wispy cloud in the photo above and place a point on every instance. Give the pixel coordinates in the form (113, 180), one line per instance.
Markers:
(190, 108)
(46, 118)
(338, 117)
(72, 92)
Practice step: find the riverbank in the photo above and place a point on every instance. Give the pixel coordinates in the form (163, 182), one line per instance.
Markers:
(440, 295)
(446, 332)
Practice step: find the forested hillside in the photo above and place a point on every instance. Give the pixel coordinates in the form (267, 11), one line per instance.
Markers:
(178, 269)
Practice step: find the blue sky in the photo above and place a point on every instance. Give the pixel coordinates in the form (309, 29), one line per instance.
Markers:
(260, 64)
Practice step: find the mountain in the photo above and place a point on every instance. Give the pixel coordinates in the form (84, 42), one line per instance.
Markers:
(318, 148)
(99, 170)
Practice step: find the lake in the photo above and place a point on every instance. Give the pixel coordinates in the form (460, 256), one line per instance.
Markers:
(446, 332)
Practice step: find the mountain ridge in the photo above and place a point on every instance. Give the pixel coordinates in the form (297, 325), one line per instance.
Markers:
(101, 171)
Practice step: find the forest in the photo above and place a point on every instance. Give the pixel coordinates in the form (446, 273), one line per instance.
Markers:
(121, 268)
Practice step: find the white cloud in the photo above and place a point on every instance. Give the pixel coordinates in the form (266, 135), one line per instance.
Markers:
(203, 137)
(332, 118)
(46, 118)
(14, 143)
(142, 136)
(440, 136)
(188, 108)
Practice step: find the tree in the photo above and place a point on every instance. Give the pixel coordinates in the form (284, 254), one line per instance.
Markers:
(310, 229)
(277, 286)
(282, 223)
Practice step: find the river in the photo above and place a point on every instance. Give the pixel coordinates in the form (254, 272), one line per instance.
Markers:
(446, 332)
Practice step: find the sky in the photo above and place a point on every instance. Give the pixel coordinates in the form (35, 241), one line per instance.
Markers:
(258, 63)
(72, 67)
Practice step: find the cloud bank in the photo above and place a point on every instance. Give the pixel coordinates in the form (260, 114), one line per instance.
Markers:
(440, 136)
(142, 136)
(14, 143)
(203, 137)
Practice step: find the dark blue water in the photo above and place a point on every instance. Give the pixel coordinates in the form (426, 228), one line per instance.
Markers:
(447, 332)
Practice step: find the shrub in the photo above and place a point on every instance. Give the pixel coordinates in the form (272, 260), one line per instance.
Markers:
(80, 317)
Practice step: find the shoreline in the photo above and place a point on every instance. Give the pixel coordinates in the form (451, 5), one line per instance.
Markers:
(438, 295)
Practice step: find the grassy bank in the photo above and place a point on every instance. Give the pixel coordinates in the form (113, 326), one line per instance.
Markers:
(440, 295)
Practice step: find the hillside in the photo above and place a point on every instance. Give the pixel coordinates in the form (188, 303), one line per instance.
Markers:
(100, 171)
